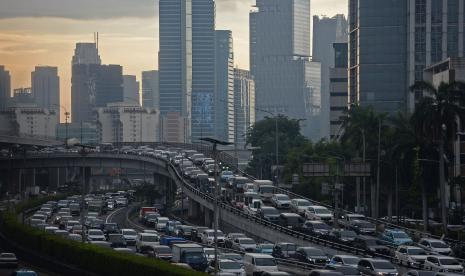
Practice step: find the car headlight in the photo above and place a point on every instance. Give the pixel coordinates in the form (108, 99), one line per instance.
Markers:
(311, 259)
(380, 273)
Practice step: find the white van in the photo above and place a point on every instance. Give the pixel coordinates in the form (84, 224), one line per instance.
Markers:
(256, 264)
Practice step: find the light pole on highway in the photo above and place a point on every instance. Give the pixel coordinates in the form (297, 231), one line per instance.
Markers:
(66, 122)
(217, 194)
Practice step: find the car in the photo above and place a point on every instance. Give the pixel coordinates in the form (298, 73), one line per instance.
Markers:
(75, 237)
(24, 272)
(324, 272)
(95, 235)
(318, 213)
(256, 264)
(253, 207)
(281, 201)
(299, 205)
(209, 253)
(362, 227)
(208, 237)
(284, 250)
(420, 273)
(346, 260)
(343, 236)
(125, 250)
(184, 231)
(435, 246)
(160, 223)
(196, 233)
(291, 220)
(146, 241)
(226, 175)
(395, 237)
(233, 256)
(228, 242)
(270, 214)
(129, 236)
(311, 255)
(70, 224)
(316, 228)
(162, 252)
(150, 218)
(344, 269)
(265, 248)
(171, 226)
(61, 233)
(104, 244)
(228, 266)
(371, 245)
(110, 228)
(116, 240)
(8, 260)
(410, 256)
(244, 245)
(376, 267)
(442, 264)
(51, 229)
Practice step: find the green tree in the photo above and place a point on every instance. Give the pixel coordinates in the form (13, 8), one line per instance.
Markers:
(262, 136)
(436, 119)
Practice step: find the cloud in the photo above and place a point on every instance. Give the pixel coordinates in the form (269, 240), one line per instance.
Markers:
(90, 9)
(77, 9)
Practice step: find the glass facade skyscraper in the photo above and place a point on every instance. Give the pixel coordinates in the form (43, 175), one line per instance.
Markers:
(175, 63)
(391, 43)
(150, 90)
(46, 88)
(224, 96)
(5, 87)
(287, 82)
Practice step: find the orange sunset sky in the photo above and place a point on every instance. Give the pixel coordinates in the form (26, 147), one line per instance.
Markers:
(44, 32)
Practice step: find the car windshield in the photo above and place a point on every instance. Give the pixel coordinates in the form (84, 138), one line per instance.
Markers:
(416, 251)
(313, 252)
(111, 226)
(95, 233)
(321, 226)
(266, 246)
(383, 265)
(246, 241)
(266, 189)
(230, 265)
(438, 244)
(164, 250)
(351, 261)
(7, 255)
(303, 203)
(348, 270)
(162, 220)
(282, 197)
(348, 234)
(209, 251)
(232, 256)
(449, 262)
(149, 238)
(426, 273)
(400, 235)
(364, 225)
(265, 262)
(270, 211)
(115, 238)
(227, 173)
(322, 211)
(187, 228)
(130, 232)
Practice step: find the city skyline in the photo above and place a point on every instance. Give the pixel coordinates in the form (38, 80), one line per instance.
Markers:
(49, 39)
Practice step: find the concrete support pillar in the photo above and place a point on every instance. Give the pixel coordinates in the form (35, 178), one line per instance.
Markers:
(208, 218)
(34, 177)
(193, 210)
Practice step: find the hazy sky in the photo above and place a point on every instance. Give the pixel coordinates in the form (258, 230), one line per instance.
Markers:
(44, 32)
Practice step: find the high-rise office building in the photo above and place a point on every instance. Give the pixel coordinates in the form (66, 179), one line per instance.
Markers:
(224, 96)
(244, 105)
(46, 88)
(29, 120)
(285, 79)
(22, 97)
(109, 85)
(130, 89)
(327, 31)
(175, 64)
(338, 88)
(5, 87)
(86, 53)
(392, 42)
(150, 90)
(203, 69)
(85, 66)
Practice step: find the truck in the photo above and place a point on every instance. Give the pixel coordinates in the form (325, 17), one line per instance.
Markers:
(97, 206)
(144, 210)
(191, 254)
(264, 188)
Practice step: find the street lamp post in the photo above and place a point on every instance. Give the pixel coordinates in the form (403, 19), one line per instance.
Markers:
(67, 114)
(217, 194)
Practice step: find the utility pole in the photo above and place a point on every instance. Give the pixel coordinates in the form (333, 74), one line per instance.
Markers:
(376, 213)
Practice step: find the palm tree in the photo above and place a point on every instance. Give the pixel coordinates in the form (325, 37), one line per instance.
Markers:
(437, 119)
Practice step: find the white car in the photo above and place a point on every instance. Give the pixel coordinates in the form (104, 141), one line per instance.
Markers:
(208, 237)
(160, 224)
(442, 264)
(256, 264)
(244, 245)
(435, 246)
(95, 235)
(344, 260)
(410, 255)
(280, 201)
(227, 266)
(129, 236)
(253, 207)
(300, 205)
(146, 241)
(318, 213)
